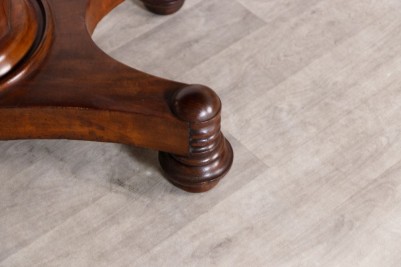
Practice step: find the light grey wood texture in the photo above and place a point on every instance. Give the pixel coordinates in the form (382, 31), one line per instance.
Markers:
(311, 95)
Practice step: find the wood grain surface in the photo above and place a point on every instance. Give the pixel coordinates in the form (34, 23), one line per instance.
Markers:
(312, 107)
(65, 87)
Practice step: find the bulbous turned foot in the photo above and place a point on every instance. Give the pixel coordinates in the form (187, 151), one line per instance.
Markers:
(211, 155)
(163, 7)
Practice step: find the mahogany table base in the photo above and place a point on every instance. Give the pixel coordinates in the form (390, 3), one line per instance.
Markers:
(55, 83)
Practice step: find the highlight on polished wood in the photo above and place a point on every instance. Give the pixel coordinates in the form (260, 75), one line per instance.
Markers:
(163, 7)
(55, 83)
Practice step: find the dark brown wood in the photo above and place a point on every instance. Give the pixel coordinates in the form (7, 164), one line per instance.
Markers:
(56, 83)
(18, 31)
(163, 7)
(211, 155)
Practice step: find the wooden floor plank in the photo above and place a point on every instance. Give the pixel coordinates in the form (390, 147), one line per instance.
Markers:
(312, 105)
(130, 219)
(184, 41)
(307, 211)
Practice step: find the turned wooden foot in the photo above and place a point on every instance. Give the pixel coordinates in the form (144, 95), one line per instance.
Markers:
(163, 7)
(210, 154)
(57, 84)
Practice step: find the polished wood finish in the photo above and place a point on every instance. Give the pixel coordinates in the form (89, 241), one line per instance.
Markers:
(312, 106)
(163, 7)
(18, 31)
(65, 87)
(211, 154)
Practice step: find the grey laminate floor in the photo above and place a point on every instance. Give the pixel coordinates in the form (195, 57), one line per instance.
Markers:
(312, 105)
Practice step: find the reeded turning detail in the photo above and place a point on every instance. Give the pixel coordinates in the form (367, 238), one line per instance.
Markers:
(210, 156)
(163, 7)
(55, 83)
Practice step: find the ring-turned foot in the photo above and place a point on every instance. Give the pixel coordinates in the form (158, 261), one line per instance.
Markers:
(163, 7)
(210, 156)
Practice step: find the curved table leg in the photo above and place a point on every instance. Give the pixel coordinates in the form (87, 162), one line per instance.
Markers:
(67, 88)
